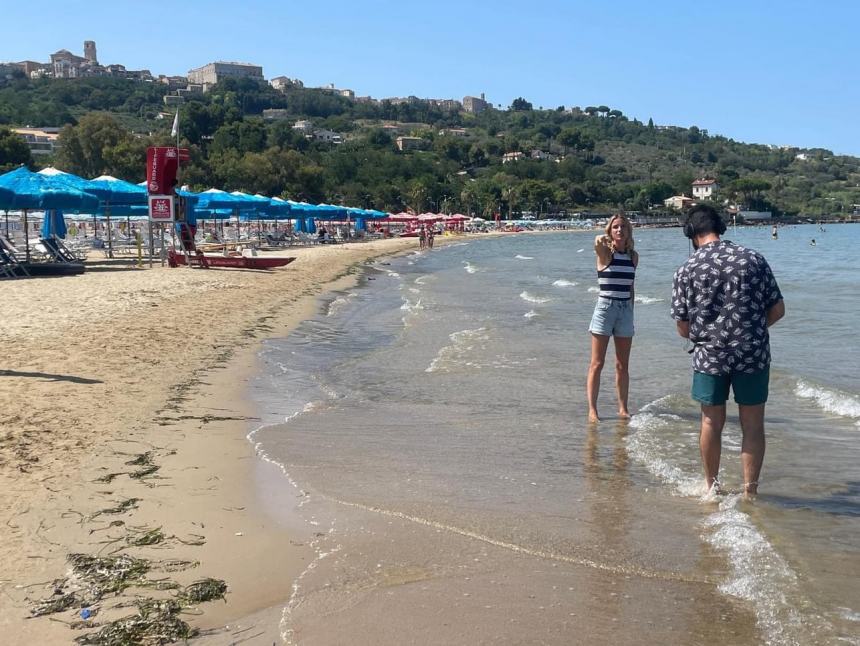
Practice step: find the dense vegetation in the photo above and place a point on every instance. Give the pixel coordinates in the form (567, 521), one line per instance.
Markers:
(600, 158)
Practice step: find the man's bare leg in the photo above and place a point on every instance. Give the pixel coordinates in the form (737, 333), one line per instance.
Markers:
(622, 372)
(753, 445)
(711, 441)
(599, 343)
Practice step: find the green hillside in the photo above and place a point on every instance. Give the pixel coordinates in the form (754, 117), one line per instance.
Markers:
(591, 158)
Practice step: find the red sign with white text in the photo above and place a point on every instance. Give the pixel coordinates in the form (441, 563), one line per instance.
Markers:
(161, 208)
(162, 164)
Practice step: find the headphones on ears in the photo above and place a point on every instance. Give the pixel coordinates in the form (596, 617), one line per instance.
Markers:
(688, 228)
(690, 231)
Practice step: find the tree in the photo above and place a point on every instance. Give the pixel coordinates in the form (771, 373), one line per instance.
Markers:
(92, 147)
(750, 188)
(520, 104)
(591, 110)
(14, 151)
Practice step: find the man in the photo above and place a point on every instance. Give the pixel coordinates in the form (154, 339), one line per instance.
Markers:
(724, 299)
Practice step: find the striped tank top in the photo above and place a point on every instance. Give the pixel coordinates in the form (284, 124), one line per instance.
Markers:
(616, 280)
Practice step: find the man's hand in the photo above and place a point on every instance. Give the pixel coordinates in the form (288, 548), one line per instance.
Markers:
(776, 312)
(683, 328)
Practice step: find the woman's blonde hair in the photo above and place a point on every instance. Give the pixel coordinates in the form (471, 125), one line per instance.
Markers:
(626, 227)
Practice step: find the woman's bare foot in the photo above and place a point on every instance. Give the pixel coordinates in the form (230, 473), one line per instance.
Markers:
(624, 414)
(593, 417)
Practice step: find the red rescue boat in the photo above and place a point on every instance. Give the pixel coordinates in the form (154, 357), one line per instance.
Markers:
(238, 261)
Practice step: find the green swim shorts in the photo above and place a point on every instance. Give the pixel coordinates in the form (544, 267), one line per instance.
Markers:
(750, 389)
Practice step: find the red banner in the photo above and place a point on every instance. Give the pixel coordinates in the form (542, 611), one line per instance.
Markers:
(162, 163)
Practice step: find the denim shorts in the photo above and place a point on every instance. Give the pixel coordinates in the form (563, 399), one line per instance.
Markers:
(612, 317)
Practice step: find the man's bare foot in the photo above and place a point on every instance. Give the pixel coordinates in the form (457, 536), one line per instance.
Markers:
(593, 417)
(623, 414)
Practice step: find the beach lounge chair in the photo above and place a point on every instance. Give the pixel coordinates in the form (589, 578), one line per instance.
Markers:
(60, 252)
(10, 267)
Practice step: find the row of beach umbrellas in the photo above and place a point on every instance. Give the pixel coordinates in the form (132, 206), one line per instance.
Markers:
(55, 192)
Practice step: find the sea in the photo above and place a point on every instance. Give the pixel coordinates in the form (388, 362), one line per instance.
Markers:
(432, 424)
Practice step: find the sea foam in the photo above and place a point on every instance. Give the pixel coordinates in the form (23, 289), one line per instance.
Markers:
(531, 298)
(830, 400)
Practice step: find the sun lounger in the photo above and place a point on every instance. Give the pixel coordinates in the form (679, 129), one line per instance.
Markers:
(10, 267)
(59, 251)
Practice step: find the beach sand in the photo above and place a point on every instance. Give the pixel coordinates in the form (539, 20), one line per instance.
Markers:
(101, 369)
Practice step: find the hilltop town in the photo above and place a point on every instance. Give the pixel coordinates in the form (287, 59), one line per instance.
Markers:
(279, 137)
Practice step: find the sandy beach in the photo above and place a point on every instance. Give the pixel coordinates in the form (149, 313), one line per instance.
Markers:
(123, 418)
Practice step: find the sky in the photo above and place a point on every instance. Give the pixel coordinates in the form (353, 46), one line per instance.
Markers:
(783, 73)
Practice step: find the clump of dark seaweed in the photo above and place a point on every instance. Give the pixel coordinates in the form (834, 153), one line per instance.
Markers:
(143, 459)
(156, 627)
(146, 537)
(121, 508)
(156, 621)
(203, 590)
(108, 574)
(59, 602)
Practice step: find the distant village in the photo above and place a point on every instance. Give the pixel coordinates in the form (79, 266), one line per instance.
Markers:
(64, 64)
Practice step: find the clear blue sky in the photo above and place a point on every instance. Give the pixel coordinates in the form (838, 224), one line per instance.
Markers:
(766, 72)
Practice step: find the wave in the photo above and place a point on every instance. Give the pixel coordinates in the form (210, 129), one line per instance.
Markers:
(759, 575)
(530, 314)
(520, 257)
(565, 283)
(580, 250)
(456, 355)
(335, 306)
(593, 290)
(531, 298)
(410, 307)
(647, 300)
(470, 268)
(835, 402)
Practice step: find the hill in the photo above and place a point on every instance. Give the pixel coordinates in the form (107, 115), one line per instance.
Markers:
(572, 159)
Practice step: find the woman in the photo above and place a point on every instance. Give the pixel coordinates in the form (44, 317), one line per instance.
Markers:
(613, 314)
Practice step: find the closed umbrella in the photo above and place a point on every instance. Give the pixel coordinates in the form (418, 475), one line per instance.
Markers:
(54, 224)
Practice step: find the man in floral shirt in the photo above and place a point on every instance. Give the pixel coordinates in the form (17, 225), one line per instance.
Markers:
(724, 299)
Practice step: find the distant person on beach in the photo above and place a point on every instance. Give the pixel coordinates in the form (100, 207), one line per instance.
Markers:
(613, 314)
(430, 237)
(812, 242)
(774, 233)
(724, 299)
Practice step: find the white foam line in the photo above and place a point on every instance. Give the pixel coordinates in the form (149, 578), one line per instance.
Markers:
(759, 575)
(520, 549)
(830, 401)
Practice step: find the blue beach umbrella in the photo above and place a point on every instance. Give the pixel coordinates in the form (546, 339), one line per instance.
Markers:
(39, 191)
(6, 197)
(115, 192)
(53, 225)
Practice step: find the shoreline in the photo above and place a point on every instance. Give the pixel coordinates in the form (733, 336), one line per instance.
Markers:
(81, 401)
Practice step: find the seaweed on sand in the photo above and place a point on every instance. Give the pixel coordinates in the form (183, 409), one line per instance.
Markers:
(160, 626)
(203, 590)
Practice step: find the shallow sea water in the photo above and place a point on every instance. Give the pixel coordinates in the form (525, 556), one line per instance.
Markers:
(432, 421)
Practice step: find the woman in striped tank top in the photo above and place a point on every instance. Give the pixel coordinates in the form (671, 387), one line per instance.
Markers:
(613, 314)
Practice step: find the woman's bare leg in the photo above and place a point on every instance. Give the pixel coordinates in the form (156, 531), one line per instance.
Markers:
(599, 343)
(622, 371)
